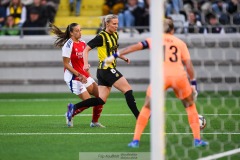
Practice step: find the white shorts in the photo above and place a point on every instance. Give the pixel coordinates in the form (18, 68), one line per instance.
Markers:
(78, 87)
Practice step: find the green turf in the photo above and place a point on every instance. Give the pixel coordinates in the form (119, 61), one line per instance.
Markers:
(47, 137)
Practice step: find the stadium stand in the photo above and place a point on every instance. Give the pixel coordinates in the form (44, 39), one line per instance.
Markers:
(32, 64)
(89, 15)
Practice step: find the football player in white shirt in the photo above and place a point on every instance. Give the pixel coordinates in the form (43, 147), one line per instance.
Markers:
(79, 81)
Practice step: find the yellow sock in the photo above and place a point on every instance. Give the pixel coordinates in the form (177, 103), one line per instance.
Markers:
(194, 121)
(141, 122)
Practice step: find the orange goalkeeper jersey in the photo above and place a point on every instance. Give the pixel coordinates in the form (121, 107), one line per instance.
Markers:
(175, 51)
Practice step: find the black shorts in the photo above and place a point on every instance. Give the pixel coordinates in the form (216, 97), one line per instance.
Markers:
(107, 77)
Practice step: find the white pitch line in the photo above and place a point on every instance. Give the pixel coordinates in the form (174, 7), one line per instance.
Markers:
(14, 134)
(217, 133)
(110, 115)
(54, 99)
(205, 114)
(38, 133)
(75, 99)
(59, 115)
(220, 155)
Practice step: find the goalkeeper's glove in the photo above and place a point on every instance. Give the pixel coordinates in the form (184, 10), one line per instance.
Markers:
(107, 61)
(195, 90)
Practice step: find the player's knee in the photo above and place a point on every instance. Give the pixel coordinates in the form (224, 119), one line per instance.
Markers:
(187, 103)
(129, 92)
(148, 106)
(101, 102)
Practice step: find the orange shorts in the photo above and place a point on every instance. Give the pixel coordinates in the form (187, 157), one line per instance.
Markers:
(179, 84)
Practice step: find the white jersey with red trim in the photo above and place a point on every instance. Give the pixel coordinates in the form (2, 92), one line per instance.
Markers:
(74, 51)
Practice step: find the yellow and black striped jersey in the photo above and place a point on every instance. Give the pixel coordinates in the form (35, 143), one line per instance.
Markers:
(107, 44)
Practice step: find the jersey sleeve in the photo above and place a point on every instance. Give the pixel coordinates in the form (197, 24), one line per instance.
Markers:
(96, 42)
(67, 49)
(185, 52)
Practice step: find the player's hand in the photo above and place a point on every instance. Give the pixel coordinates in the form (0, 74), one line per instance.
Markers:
(127, 60)
(109, 60)
(86, 67)
(195, 90)
(82, 78)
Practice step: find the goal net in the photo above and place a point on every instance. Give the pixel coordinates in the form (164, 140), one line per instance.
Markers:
(216, 60)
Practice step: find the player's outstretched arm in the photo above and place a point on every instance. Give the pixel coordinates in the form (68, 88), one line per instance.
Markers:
(122, 52)
(130, 49)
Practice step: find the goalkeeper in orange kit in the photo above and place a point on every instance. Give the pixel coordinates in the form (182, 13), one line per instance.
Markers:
(176, 56)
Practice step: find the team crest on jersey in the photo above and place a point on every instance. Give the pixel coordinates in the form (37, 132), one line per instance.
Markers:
(78, 54)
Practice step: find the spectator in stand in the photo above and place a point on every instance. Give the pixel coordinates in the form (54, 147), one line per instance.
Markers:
(224, 19)
(188, 6)
(177, 6)
(193, 25)
(5, 3)
(236, 20)
(10, 28)
(51, 9)
(141, 3)
(113, 6)
(78, 6)
(213, 24)
(168, 8)
(205, 6)
(42, 11)
(18, 11)
(34, 22)
(173, 6)
(2, 14)
(131, 15)
(145, 16)
(232, 6)
(27, 2)
(219, 7)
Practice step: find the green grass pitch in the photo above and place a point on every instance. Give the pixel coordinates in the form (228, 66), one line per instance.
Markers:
(32, 126)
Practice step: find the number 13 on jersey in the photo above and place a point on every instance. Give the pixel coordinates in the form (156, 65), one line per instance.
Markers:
(170, 53)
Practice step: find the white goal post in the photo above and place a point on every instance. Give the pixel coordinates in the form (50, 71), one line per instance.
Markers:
(156, 72)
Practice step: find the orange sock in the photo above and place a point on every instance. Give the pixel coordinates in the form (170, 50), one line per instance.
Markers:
(141, 122)
(193, 121)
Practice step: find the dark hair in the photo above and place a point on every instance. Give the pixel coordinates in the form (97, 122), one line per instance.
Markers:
(62, 37)
(34, 11)
(6, 19)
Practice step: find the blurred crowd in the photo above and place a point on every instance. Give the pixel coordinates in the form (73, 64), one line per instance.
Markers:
(34, 14)
(131, 13)
(189, 16)
(204, 16)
